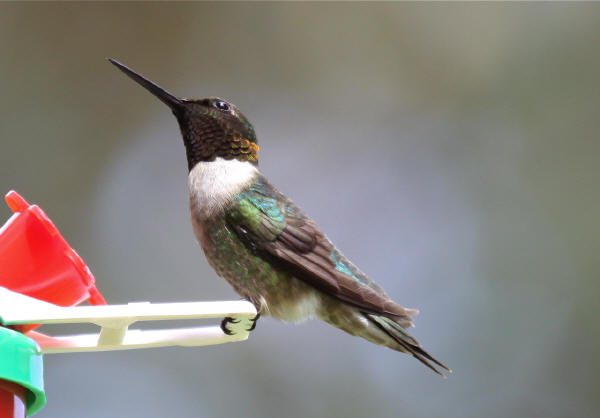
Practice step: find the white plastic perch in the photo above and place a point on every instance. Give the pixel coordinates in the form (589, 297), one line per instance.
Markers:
(114, 320)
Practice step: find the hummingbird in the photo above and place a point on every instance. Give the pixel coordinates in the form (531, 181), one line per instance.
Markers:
(265, 246)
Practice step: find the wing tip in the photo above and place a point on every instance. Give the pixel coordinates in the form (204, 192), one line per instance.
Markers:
(408, 343)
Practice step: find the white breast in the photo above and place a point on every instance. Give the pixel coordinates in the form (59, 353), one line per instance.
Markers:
(213, 184)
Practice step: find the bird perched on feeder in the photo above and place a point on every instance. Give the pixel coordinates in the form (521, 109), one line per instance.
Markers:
(258, 240)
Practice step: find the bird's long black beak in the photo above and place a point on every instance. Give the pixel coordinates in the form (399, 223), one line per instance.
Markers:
(167, 98)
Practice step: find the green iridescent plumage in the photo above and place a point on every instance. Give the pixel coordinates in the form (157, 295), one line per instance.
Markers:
(282, 251)
(272, 226)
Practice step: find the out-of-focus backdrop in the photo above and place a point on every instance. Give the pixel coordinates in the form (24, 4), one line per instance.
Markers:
(450, 150)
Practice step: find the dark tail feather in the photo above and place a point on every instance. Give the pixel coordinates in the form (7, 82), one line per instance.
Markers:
(399, 334)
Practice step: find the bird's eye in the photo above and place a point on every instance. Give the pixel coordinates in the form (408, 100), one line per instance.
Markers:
(222, 105)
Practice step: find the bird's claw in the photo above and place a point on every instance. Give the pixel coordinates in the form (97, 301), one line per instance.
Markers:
(226, 321)
(254, 320)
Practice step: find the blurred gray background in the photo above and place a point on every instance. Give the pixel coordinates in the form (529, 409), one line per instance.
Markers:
(450, 150)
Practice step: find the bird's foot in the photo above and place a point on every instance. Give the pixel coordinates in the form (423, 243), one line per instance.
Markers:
(254, 321)
(225, 324)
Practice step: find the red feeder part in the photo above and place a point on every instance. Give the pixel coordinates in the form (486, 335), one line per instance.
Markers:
(35, 260)
(12, 400)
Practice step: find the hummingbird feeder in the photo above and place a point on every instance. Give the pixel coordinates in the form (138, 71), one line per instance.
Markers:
(43, 280)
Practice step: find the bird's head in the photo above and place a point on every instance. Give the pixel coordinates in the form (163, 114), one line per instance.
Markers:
(211, 127)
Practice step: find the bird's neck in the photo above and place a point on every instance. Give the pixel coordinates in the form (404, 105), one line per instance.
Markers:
(213, 184)
(207, 141)
(234, 148)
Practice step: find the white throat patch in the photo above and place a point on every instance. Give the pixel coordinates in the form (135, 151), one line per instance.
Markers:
(212, 184)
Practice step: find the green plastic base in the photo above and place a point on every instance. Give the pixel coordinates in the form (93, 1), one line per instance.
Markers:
(21, 362)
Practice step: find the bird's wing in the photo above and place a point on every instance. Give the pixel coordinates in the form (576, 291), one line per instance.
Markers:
(272, 226)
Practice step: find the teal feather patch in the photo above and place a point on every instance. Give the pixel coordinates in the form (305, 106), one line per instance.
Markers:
(342, 267)
(260, 197)
(267, 205)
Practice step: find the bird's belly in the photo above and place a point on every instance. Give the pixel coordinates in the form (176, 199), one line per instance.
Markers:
(294, 302)
(273, 291)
